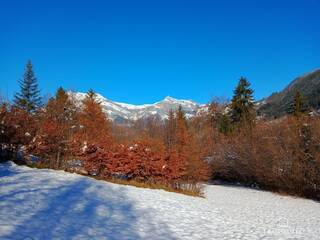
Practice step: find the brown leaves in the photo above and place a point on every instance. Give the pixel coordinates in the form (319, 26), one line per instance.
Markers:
(281, 155)
(139, 161)
(95, 126)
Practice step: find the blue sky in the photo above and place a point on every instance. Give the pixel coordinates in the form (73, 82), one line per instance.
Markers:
(141, 51)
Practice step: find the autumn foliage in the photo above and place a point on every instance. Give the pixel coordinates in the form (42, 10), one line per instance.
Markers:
(93, 122)
(218, 144)
(18, 128)
(280, 155)
(139, 161)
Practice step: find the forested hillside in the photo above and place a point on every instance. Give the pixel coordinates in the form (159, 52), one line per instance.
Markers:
(280, 103)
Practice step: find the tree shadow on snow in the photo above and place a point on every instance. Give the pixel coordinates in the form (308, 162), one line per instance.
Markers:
(76, 210)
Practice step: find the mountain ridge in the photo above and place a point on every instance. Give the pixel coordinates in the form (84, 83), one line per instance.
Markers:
(123, 112)
(275, 105)
(278, 103)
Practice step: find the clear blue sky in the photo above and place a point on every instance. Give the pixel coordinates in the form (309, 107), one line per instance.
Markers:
(141, 51)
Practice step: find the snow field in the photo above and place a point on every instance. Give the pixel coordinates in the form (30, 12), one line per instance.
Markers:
(48, 204)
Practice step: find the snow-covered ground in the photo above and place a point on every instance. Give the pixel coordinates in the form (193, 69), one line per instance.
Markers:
(47, 204)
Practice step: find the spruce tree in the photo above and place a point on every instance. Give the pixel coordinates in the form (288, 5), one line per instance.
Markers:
(170, 131)
(299, 105)
(181, 132)
(224, 124)
(242, 104)
(28, 98)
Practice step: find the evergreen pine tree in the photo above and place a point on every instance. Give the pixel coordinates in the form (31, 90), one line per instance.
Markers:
(224, 124)
(242, 104)
(170, 131)
(181, 132)
(28, 98)
(299, 105)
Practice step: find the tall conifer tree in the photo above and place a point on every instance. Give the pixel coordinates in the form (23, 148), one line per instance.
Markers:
(28, 98)
(181, 131)
(299, 105)
(170, 131)
(242, 103)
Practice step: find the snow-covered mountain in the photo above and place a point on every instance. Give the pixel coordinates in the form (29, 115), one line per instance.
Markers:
(122, 112)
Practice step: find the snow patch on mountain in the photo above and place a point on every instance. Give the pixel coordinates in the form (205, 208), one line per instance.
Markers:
(121, 112)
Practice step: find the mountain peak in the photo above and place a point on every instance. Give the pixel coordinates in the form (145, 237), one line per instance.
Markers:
(123, 112)
(171, 99)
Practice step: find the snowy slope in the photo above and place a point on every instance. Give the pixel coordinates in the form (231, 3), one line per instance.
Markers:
(47, 204)
(122, 111)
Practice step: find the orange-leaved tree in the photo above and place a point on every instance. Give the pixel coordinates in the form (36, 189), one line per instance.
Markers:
(58, 121)
(94, 133)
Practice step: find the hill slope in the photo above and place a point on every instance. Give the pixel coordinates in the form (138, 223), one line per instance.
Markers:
(279, 103)
(48, 204)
